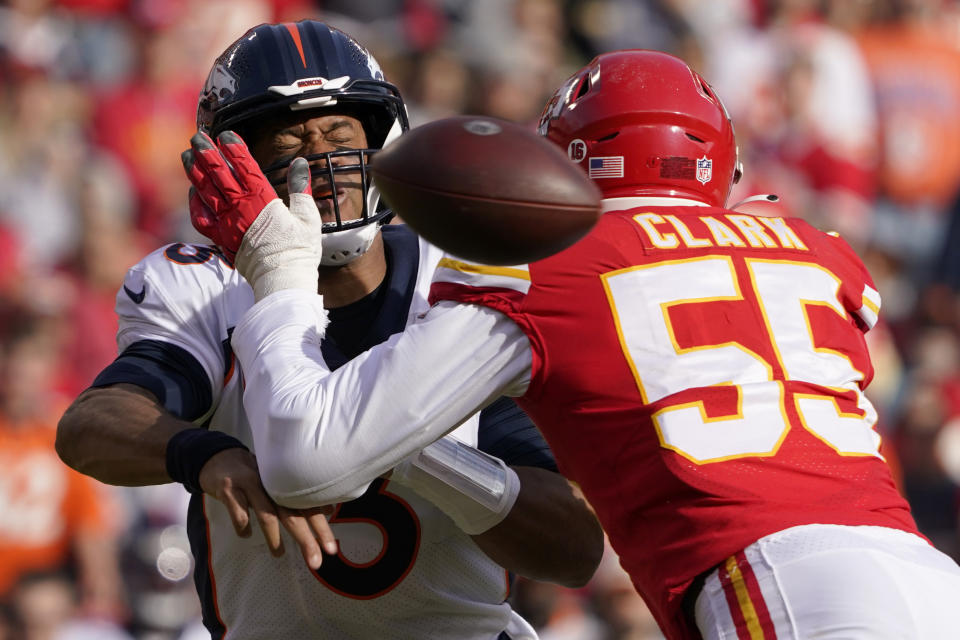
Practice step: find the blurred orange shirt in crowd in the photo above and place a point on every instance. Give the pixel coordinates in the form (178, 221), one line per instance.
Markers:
(44, 504)
(916, 75)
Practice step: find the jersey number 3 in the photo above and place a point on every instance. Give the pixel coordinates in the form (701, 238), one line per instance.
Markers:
(640, 298)
(400, 528)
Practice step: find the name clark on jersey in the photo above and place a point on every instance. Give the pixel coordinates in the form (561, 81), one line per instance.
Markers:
(668, 231)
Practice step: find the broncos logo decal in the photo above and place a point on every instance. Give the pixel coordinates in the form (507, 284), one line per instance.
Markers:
(220, 84)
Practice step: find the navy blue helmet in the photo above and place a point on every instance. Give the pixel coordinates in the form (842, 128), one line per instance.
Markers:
(300, 66)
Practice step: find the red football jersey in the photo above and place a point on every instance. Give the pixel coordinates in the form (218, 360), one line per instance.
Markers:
(699, 372)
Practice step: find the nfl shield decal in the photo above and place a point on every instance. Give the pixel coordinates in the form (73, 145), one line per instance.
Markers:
(704, 169)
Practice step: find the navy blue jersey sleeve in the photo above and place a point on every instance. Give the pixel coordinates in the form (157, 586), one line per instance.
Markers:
(507, 433)
(170, 372)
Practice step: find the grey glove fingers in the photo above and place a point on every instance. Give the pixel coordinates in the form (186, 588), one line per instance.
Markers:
(302, 204)
(200, 179)
(209, 162)
(298, 177)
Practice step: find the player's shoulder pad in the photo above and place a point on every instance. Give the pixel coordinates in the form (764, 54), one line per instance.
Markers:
(180, 276)
(834, 244)
(456, 271)
(409, 245)
(866, 301)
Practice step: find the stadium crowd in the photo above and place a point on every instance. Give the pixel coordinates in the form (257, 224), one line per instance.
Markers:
(848, 110)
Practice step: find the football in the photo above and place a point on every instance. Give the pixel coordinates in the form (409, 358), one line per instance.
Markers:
(486, 190)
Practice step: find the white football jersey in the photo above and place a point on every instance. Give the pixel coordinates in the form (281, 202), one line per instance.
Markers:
(404, 569)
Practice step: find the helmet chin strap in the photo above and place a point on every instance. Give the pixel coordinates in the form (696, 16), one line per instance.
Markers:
(763, 197)
(343, 247)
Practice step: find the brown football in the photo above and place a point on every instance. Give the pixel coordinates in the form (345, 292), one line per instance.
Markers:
(486, 190)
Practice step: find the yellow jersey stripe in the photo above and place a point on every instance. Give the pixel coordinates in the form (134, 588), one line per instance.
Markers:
(520, 272)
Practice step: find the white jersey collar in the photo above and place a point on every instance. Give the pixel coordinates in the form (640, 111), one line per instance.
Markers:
(619, 204)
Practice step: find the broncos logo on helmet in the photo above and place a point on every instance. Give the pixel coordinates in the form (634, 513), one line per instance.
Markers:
(220, 86)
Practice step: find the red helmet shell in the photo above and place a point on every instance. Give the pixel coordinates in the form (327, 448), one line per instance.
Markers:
(643, 123)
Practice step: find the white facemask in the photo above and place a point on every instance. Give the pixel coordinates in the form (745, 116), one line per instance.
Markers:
(343, 247)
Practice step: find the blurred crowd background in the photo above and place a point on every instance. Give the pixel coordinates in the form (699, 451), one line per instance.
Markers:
(849, 110)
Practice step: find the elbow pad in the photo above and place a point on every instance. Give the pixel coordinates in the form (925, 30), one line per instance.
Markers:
(475, 489)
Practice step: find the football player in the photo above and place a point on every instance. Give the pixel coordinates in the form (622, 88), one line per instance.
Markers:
(699, 371)
(416, 558)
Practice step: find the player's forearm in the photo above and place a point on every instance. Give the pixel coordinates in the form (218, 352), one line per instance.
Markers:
(118, 435)
(321, 437)
(551, 534)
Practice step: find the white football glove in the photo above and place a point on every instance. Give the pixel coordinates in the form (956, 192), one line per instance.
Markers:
(282, 248)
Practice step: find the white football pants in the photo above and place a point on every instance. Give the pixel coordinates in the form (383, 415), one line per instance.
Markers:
(831, 582)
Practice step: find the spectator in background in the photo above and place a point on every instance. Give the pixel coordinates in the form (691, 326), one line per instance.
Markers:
(607, 608)
(33, 35)
(441, 84)
(914, 61)
(45, 607)
(916, 74)
(626, 24)
(930, 400)
(618, 606)
(143, 120)
(802, 98)
(556, 613)
(53, 518)
(7, 618)
(829, 134)
(107, 244)
(515, 49)
(10, 262)
(41, 155)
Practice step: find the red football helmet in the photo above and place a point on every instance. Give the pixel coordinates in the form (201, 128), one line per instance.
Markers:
(643, 123)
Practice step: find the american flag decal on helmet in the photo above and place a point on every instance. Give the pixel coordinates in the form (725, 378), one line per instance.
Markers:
(607, 167)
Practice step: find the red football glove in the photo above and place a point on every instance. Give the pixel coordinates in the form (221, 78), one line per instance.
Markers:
(229, 189)
(272, 245)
